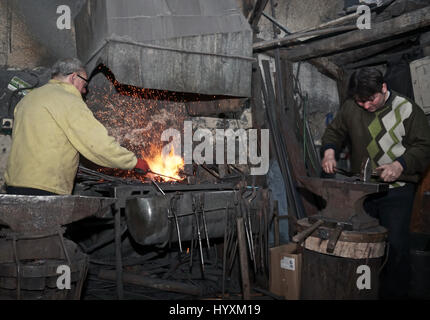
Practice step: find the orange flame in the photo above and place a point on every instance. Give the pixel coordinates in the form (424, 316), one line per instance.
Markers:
(170, 165)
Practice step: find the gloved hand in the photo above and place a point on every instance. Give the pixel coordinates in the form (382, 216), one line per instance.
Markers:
(142, 166)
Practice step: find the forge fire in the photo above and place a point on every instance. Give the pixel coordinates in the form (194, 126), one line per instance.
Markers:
(136, 117)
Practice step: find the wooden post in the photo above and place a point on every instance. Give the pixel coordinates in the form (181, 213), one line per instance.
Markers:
(243, 257)
(255, 14)
(276, 223)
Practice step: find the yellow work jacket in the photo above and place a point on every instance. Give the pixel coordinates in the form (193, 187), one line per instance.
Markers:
(52, 126)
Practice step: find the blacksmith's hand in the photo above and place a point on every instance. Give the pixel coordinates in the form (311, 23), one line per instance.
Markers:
(142, 166)
(328, 163)
(390, 172)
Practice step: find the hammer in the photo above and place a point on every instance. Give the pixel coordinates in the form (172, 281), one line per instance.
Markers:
(298, 238)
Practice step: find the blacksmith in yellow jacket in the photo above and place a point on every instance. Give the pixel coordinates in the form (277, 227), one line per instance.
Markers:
(52, 126)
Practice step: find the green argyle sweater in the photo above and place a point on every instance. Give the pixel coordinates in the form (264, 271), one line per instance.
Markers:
(397, 131)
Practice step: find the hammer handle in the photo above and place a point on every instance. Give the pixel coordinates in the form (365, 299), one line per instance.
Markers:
(305, 233)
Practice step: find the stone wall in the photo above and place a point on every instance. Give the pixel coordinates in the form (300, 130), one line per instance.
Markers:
(297, 15)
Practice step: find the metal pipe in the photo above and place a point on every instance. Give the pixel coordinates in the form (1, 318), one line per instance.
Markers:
(162, 175)
(199, 235)
(206, 231)
(280, 145)
(158, 187)
(178, 232)
(192, 246)
(118, 256)
(280, 26)
(224, 254)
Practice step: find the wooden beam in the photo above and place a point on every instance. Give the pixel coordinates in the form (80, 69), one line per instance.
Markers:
(327, 67)
(365, 52)
(348, 17)
(335, 22)
(324, 65)
(255, 14)
(247, 6)
(405, 23)
(380, 58)
(296, 37)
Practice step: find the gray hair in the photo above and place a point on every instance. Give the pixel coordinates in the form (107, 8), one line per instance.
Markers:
(63, 67)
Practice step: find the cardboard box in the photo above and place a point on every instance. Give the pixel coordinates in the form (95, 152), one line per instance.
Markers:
(285, 271)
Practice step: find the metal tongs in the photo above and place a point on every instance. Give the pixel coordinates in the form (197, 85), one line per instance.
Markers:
(157, 174)
(140, 171)
(366, 172)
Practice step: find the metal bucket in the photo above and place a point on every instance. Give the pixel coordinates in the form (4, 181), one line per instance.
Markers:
(327, 277)
(150, 220)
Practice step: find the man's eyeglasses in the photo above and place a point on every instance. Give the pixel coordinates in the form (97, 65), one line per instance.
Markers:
(86, 80)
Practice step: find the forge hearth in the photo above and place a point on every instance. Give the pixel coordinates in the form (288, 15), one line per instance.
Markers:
(179, 243)
(143, 84)
(193, 221)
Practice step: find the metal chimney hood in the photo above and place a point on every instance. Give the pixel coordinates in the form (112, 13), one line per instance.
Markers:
(197, 46)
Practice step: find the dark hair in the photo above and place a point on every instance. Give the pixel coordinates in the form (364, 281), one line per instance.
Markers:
(364, 83)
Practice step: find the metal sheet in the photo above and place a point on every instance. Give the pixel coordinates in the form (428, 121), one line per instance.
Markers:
(150, 219)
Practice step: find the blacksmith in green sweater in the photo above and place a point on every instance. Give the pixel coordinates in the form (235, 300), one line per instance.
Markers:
(394, 132)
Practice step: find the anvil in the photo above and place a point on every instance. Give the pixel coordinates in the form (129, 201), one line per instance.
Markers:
(344, 200)
(32, 214)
